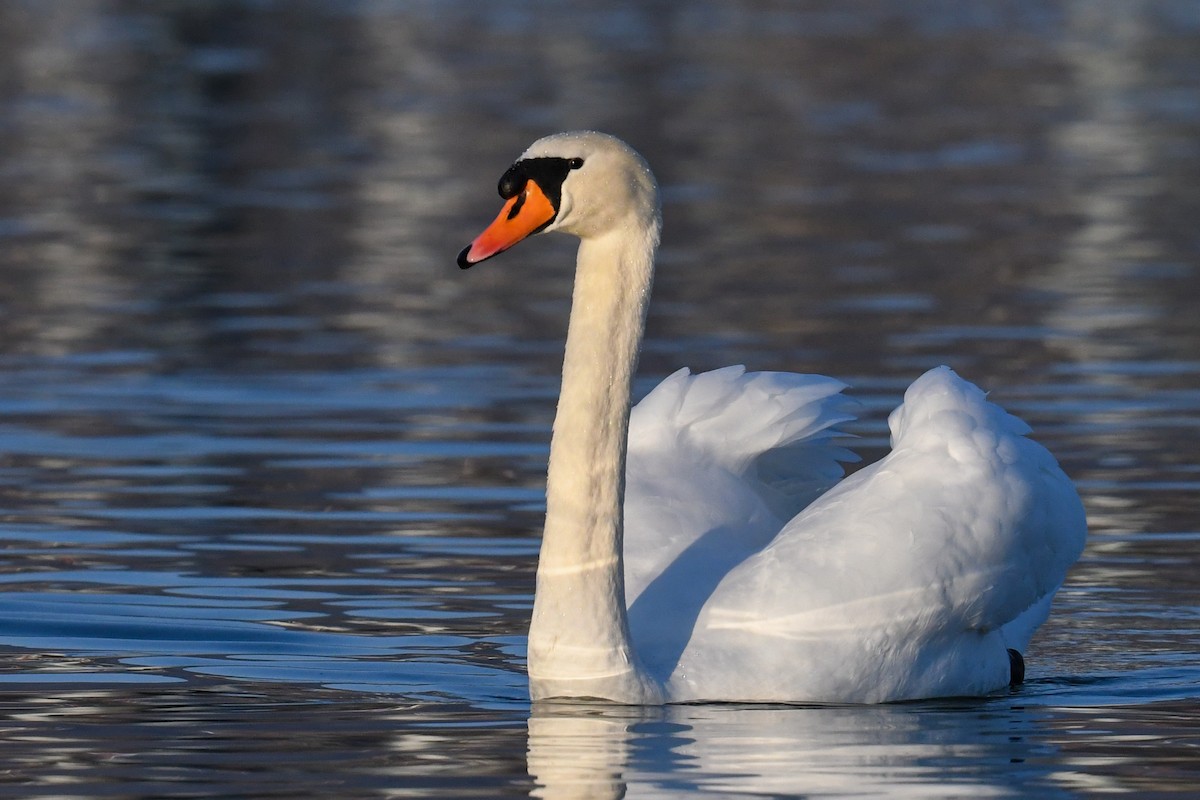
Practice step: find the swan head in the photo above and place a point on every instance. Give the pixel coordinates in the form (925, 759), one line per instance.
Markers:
(583, 183)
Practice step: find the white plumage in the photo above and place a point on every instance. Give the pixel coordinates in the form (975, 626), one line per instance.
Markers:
(694, 549)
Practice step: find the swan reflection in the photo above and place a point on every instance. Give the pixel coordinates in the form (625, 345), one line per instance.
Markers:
(921, 751)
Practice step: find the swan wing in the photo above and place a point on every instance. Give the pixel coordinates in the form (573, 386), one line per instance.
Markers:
(911, 577)
(732, 417)
(726, 447)
(716, 462)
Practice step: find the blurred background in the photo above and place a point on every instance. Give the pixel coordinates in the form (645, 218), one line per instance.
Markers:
(256, 426)
(875, 169)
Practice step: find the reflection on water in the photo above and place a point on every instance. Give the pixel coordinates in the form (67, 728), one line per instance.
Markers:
(271, 466)
(264, 740)
(919, 751)
(773, 752)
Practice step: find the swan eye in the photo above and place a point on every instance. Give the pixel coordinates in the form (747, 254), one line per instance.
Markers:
(510, 184)
(548, 172)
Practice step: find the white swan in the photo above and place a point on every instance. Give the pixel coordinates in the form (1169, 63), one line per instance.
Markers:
(684, 556)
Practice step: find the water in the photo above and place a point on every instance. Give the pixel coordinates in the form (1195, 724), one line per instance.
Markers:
(271, 466)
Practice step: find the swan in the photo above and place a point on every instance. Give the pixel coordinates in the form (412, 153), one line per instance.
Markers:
(699, 547)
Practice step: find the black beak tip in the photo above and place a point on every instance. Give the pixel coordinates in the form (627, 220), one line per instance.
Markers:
(463, 261)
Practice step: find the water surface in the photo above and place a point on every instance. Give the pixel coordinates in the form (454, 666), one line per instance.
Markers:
(271, 466)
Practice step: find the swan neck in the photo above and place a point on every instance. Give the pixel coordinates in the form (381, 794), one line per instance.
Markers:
(587, 451)
(579, 641)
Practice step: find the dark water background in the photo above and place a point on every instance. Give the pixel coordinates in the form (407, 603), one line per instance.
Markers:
(271, 467)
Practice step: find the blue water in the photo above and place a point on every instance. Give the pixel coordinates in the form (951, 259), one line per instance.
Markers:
(271, 466)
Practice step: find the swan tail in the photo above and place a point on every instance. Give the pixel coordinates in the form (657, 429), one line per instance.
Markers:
(934, 400)
(1027, 497)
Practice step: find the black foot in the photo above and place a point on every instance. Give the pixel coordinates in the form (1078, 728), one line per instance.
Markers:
(1016, 668)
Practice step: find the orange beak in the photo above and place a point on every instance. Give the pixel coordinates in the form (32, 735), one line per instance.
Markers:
(522, 216)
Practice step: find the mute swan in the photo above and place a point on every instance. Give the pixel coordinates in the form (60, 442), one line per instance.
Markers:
(691, 551)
